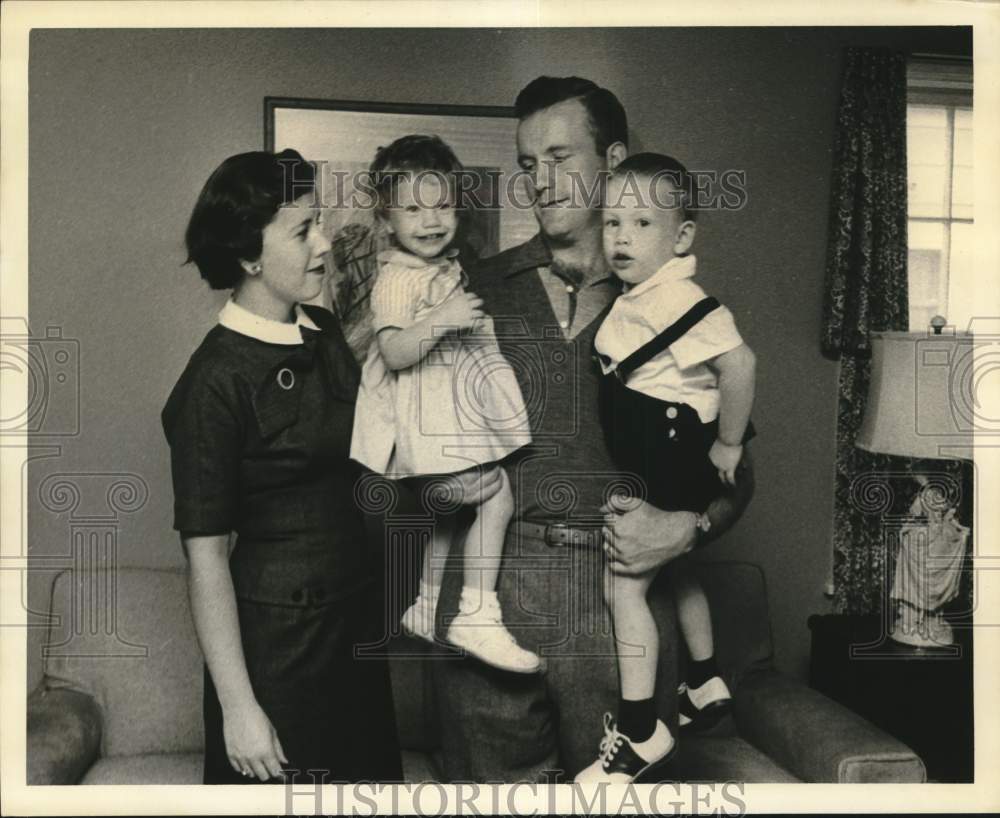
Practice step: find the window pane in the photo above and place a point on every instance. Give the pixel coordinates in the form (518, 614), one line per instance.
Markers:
(961, 271)
(926, 116)
(924, 271)
(962, 187)
(926, 158)
(962, 193)
(926, 190)
(963, 118)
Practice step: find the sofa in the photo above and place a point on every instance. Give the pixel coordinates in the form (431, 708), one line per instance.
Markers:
(121, 703)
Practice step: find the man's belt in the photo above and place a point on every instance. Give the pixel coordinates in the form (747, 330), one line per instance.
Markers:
(559, 534)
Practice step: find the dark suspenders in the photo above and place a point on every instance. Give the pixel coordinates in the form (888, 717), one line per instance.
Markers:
(652, 348)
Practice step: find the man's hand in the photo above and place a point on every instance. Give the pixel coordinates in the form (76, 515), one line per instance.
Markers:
(639, 538)
(471, 487)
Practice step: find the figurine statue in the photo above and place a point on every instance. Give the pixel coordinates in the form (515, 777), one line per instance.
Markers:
(928, 573)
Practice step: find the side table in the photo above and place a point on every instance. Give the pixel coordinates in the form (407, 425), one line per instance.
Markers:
(923, 698)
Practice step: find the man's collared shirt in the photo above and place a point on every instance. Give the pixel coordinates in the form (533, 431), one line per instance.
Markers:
(566, 474)
(574, 303)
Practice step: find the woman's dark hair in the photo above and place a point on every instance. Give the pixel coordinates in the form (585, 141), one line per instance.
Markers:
(656, 166)
(608, 122)
(411, 154)
(238, 201)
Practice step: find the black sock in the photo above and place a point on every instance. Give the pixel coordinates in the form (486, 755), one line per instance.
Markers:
(700, 672)
(636, 719)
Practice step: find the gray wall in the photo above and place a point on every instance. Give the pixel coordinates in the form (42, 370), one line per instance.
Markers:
(126, 126)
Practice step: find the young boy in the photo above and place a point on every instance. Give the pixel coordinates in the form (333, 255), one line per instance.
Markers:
(675, 406)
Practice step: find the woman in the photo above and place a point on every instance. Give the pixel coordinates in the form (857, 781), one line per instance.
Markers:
(259, 427)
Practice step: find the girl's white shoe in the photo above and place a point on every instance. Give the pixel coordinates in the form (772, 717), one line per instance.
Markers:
(481, 633)
(418, 619)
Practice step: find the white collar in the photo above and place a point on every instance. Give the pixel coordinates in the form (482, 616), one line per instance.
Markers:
(240, 319)
(677, 268)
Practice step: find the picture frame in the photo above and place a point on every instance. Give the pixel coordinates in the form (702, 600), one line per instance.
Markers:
(343, 135)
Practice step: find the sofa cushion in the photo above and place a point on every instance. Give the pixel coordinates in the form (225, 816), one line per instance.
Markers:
(727, 758)
(741, 624)
(186, 768)
(142, 665)
(817, 738)
(147, 768)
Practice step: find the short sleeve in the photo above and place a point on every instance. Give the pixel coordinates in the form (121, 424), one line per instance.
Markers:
(204, 431)
(394, 297)
(715, 334)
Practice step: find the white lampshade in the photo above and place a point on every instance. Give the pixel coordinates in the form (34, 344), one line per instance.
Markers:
(918, 399)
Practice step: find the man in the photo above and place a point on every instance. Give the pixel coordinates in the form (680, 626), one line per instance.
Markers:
(548, 297)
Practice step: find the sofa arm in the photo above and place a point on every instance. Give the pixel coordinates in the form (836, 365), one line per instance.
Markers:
(64, 735)
(816, 738)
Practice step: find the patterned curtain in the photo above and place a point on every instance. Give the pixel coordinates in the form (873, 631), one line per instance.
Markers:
(866, 290)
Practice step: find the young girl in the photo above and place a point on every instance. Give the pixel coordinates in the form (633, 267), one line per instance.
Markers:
(675, 406)
(437, 397)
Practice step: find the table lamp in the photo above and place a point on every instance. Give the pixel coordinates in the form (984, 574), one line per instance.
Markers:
(917, 407)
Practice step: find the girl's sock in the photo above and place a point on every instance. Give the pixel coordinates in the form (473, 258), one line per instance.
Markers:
(636, 718)
(428, 591)
(700, 672)
(473, 599)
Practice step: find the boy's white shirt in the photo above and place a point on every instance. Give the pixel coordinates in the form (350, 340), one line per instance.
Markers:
(680, 373)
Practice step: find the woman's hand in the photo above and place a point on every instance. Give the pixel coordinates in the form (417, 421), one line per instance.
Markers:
(252, 742)
(462, 310)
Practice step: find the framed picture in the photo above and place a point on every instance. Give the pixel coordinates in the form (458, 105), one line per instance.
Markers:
(344, 135)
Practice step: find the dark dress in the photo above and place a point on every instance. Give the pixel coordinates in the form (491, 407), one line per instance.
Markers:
(259, 437)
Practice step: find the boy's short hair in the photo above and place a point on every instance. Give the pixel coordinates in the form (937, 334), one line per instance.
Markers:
(608, 122)
(238, 201)
(656, 166)
(415, 153)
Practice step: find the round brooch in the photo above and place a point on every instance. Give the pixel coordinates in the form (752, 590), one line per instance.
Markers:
(286, 378)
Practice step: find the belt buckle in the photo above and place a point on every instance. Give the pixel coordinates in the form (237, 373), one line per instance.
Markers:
(550, 538)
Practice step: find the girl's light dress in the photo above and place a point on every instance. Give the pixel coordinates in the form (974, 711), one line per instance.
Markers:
(460, 406)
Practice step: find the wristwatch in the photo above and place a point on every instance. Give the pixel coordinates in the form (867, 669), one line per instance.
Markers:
(702, 526)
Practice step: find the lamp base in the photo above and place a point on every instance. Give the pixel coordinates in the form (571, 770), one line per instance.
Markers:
(922, 629)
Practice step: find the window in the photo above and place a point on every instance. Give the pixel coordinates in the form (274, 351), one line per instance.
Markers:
(940, 195)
